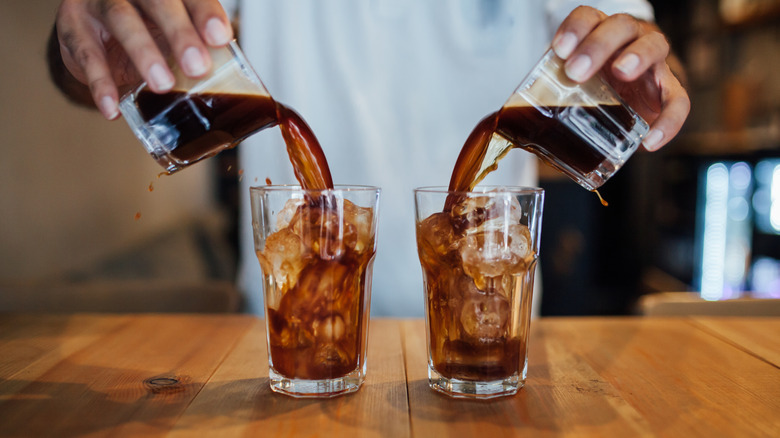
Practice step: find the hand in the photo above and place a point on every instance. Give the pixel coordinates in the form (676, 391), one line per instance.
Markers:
(107, 44)
(634, 56)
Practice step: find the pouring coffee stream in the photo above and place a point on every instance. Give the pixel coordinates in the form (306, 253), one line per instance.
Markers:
(584, 130)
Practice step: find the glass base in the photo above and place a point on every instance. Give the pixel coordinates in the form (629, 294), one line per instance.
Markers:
(474, 389)
(325, 388)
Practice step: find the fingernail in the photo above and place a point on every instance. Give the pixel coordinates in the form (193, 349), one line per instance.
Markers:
(193, 62)
(564, 44)
(108, 107)
(160, 78)
(216, 32)
(653, 139)
(627, 64)
(577, 67)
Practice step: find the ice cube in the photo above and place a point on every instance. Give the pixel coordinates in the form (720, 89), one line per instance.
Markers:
(484, 317)
(471, 214)
(436, 236)
(320, 227)
(295, 336)
(283, 258)
(287, 212)
(362, 220)
(330, 355)
(319, 286)
(494, 252)
(330, 328)
(520, 242)
(485, 253)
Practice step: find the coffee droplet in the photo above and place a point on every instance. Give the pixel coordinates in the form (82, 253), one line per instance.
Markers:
(603, 202)
(268, 181)
(151, 187)
(137, 215)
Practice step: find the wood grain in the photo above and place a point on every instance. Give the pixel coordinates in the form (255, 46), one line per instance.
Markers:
(759, 336)
(184, 375)
(683, 381)
(102, 389)
(611, 377)
(238, 400)
(563, 396)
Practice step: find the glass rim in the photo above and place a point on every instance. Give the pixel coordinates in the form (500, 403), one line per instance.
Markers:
(298, 188)
(485, 190)
(547, 57)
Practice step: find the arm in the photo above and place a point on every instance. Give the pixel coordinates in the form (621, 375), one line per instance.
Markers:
(635, 56)
(106, 44)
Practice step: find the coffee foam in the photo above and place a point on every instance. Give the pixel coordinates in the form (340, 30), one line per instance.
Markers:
(226, 77)
(548, 85)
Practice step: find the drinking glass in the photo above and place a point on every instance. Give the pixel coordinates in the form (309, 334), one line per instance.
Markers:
(478, 256)
(200, 117)
(585, 130)
(316, 249)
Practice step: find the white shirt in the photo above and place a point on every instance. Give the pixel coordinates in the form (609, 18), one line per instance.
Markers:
(391, 88)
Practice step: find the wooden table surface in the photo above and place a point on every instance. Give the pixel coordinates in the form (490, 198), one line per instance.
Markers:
(103, 375)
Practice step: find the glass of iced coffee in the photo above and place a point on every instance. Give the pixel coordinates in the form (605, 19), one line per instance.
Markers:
(200, 117)
(478, 252)
(316, 249)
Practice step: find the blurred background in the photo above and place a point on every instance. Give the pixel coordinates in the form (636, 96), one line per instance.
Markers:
(87, 224)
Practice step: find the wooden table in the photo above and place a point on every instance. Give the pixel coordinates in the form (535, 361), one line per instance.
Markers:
(182, 375)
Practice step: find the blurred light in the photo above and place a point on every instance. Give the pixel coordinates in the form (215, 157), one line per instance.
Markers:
(716, 187)
(740, 176)
(774, 196)
(726, 230)
(764, 171)
(766, 199)
(739, 210)
(761, 202)
(766, 278)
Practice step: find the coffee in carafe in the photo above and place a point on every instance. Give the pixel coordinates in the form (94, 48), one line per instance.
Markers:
(584, 130)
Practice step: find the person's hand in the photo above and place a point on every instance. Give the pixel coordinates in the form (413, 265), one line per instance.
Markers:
(633, 55)
(107, 44)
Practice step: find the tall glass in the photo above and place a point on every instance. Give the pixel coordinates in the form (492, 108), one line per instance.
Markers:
(316, 249)
(200, 117)
(478, 260)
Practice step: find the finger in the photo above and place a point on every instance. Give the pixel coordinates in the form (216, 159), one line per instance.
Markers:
(580, 22)
(648, 50)
(84, 47)
(174, 21)
(128, 28)
(675, 108)
(600, 45)
(211, 21)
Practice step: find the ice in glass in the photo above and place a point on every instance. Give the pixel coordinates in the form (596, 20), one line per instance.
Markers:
(478, 252)
(316, 249)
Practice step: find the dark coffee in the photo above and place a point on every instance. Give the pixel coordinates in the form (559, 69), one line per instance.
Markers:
(306, 155)
(475, 328)
(472, 360)
(201, 125)
(541, 133)
(316, 331)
